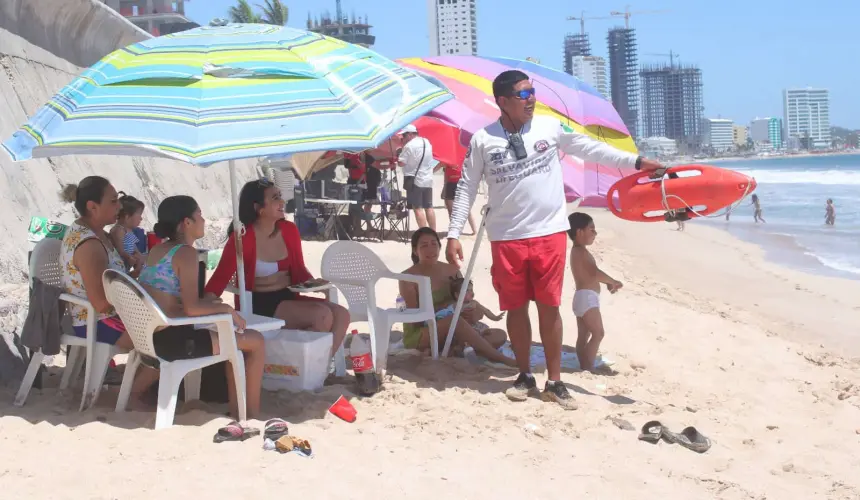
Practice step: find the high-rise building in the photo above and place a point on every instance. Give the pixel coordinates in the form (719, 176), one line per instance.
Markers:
(672, 103)
(352, 30)
(718, 133)
(624, 76)
(591, 70)
(767, 131)
(453, 27)
(575, 45)
(156, 17)
(807, 116)
(740, 136)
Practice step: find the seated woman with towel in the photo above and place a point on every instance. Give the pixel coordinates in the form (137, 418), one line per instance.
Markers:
(272, 253)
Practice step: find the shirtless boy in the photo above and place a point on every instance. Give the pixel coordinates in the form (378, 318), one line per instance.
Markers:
(586, 299)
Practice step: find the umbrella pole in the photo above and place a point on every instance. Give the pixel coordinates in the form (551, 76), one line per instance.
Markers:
(244, 306)
(465, 285)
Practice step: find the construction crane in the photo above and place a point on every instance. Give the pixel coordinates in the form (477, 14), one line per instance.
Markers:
(671, 55)
(626, 14)
(582, 19)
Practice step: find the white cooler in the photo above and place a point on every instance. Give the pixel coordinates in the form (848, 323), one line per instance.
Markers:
(296, 360)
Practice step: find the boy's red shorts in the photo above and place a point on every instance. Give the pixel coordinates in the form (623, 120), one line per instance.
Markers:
(529, 269)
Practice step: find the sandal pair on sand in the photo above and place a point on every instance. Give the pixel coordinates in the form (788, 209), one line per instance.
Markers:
(689, 438)
(276, 437)
(274, 429)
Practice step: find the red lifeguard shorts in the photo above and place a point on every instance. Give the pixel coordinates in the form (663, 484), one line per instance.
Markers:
(529, 269)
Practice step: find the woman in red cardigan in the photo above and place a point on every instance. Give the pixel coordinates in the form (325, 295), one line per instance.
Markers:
(272, 254)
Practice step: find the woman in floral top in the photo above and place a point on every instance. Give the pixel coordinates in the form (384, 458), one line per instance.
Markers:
(85, 254)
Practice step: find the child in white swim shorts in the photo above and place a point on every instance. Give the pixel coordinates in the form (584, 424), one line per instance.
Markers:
(586, 299)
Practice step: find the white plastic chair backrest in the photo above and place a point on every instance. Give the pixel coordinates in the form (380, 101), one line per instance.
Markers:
(348, 260)
(285, 181)
(45, 262)
(139, 313)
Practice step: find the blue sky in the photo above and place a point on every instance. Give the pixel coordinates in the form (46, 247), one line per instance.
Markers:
(748, 50)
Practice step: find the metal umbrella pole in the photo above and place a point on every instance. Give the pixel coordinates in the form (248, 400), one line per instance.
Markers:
(465, 285)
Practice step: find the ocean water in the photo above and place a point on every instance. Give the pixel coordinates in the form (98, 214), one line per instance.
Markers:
(793, 192)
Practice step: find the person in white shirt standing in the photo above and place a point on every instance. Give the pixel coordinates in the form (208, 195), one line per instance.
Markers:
(416, 159)
(518, 155)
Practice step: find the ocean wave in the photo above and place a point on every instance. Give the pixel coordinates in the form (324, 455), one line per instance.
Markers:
(827, 177)
(837, 264)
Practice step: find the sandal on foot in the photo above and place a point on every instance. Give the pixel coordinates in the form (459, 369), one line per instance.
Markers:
(234, 432)
(689, 438)
(275, 429)
(651, 432)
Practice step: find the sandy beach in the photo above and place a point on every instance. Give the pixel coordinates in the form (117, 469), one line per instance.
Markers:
(761, 359)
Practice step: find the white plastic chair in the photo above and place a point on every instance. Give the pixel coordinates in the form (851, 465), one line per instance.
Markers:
(142, 316)
(330, 295)
(355, 269)
(45, 266)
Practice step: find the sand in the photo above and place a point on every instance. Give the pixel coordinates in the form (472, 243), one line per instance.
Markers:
(705, 333)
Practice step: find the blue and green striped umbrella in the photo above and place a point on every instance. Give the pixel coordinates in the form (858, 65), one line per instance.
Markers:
(222, 93)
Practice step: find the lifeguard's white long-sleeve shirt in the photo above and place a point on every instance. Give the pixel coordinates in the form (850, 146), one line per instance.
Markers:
(526, 197)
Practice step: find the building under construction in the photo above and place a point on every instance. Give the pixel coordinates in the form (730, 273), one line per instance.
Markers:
(672, 104)
(575, 45)
(624, 76)
(352, 29)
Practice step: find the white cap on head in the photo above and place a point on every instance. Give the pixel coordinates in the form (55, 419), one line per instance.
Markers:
(409, 129)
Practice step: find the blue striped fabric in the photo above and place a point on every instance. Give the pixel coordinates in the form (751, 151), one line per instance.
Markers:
(219, 93)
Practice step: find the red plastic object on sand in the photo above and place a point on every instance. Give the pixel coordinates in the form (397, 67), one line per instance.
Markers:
(704, 188)
(343, 409)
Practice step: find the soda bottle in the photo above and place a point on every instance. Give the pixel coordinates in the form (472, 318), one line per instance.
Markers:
(366, 379)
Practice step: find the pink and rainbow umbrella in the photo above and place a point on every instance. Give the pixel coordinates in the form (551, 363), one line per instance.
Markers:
(563, 96)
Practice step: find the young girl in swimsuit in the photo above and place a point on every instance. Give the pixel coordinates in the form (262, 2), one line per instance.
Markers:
(171, 277)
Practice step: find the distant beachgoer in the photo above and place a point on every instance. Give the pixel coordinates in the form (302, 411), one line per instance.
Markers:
(682, 216)
(728, 213)
(586, 300)
(757, 214)
(830, 215)
(416, 160)
(453, 173)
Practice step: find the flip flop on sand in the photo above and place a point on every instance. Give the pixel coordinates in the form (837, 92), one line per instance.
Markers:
(689, 438)
(651, 432)
(275, 429)
(234, 432)
(292, 444)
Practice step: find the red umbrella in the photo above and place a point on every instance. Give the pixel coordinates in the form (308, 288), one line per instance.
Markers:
(445, 137)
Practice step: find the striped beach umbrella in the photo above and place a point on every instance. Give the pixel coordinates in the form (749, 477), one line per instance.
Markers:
(573, 102)
(212, 94)
(215, 94)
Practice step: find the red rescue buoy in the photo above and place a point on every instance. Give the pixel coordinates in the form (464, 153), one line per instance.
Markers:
(707, 190)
